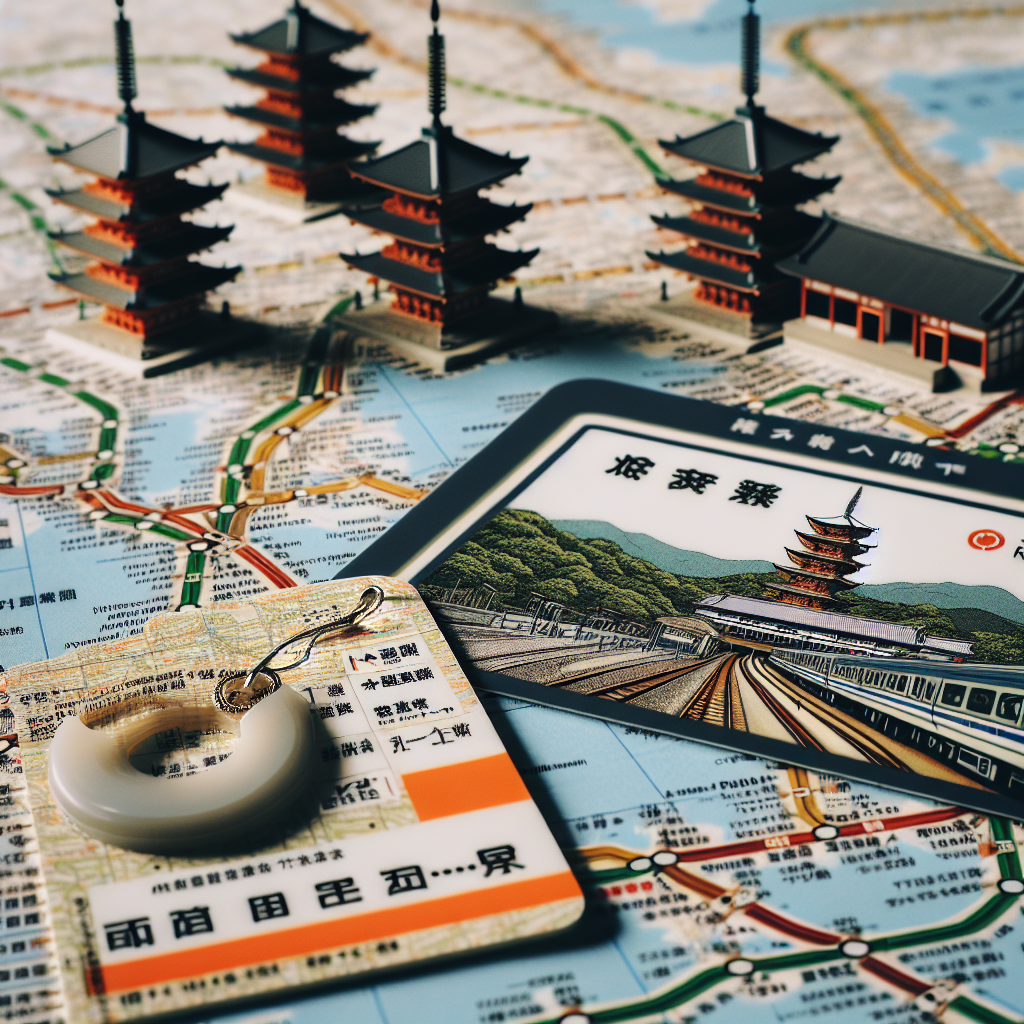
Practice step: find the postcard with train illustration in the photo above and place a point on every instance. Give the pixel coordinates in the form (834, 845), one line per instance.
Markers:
(849, 602)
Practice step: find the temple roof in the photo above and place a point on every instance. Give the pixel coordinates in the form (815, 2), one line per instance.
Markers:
(133, 149)
(327, 117)
(438, 164)
(181, 199)
(711, 270)
(198, 280)
(846, 525)
(301, 34)
(778, 235)
(328, 76)
(477, 273)
(847, 565)
(788, 188)
(341, 150)
(967, 288)
(488, 220)
(790, 573)
(188, 239)
(752, 144)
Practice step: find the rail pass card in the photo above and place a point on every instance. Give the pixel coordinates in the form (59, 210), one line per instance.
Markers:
(849, 603)
(426, 841)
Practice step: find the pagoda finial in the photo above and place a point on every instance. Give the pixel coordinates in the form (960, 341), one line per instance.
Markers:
(435, 67)
(125, 58)
(853, 503)
(750, 54)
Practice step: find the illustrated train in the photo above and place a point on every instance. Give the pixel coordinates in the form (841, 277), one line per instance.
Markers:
(966, 715)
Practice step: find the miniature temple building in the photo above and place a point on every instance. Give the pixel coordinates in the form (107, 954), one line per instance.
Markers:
(300, 114)
(439, 266)
(152, 293)
(940, 314)
(744, 216)
(823, 561)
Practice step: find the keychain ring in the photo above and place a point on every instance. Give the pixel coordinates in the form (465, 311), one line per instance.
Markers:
(268, 771)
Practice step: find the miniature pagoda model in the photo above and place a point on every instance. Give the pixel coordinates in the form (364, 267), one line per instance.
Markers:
(439, 267)
(300, 115)
(151, 292)
(827, 556)
(744, 216)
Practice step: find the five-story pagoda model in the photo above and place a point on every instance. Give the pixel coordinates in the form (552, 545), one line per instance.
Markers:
(305, 156)
(824, 560)
(140, 272)
(744, 217)
(439, 266)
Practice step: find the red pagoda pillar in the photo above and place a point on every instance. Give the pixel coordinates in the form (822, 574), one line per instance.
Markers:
(823, 561)
(152, 293)
(744, 215)
(439, 265)
(299, 113)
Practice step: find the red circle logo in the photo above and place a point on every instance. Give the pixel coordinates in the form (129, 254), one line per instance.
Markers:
(986, 540)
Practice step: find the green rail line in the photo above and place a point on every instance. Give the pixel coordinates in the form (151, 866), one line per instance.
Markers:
(193, 584)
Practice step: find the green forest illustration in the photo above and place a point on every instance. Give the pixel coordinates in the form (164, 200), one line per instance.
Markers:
(520, 553)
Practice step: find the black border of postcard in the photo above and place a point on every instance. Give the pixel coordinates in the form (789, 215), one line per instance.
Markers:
(488, 468)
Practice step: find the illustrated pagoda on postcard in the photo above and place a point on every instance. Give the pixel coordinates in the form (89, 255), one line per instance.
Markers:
(744, 216)
(300, 115)
(152, 293)
(823, 561)
(439, 266)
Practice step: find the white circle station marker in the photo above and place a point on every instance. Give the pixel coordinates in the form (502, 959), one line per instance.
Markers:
(15, 463)
(640, 864)
(105, 454)
(248, 435)
(892, 410)
(1007, 448)
(935, 442)
(854, 948)
(825, 832)
(235, 467)
(331, 394)
(109, 424)
(210, 535)
(227, 509)
(756, 406)
(306, 399)
(98, 513)
(740, 968)
(144, 524)
(89, 485)
(665, 858)
(153, 516)
(831, 394)
(574, 1018)
(1011, 886)
(284, 431)
(199, 545)
(300, 493)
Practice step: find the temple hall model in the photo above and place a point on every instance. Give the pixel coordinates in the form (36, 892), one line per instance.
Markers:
(151, 292)
(299, 114)
(439, 266)
(744, 216)
(823, 561)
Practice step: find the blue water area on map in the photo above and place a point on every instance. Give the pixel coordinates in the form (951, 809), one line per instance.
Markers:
(983, 104)
(713, 38)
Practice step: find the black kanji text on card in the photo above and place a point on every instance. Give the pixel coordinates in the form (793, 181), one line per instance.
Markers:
(404, 879)
(498, 858)
(191, 922)
(750, 492)
(263, 908)
(129, 934)
(337, 891)
(691, 480)
(631, 467)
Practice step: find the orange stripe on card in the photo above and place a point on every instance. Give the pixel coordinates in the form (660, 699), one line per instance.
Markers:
(313, 938)
(467, 786)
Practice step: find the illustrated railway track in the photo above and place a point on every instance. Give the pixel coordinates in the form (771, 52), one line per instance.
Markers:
(627, 691)
(861, 740)
(713, 701)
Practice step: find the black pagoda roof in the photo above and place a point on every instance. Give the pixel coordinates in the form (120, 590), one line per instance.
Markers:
(970, 289)
(134, 149)
(711, 270)
(489, 268)
(197, 280)
(328, 76)
(181, 199)
(327, 117)
(437, 165)
(191, 238)
(341, 150)
(487, 220)
(770, 238)
(787, 188)
(752, 144)
(300, 33)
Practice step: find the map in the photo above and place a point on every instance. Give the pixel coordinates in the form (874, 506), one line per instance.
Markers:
(122, 498)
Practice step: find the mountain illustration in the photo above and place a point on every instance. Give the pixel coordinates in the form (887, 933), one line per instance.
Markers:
(961, 599)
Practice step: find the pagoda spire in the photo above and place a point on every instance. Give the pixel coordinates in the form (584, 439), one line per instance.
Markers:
(125, 56)
(750, 57)
(853, 503)
(436, 68)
